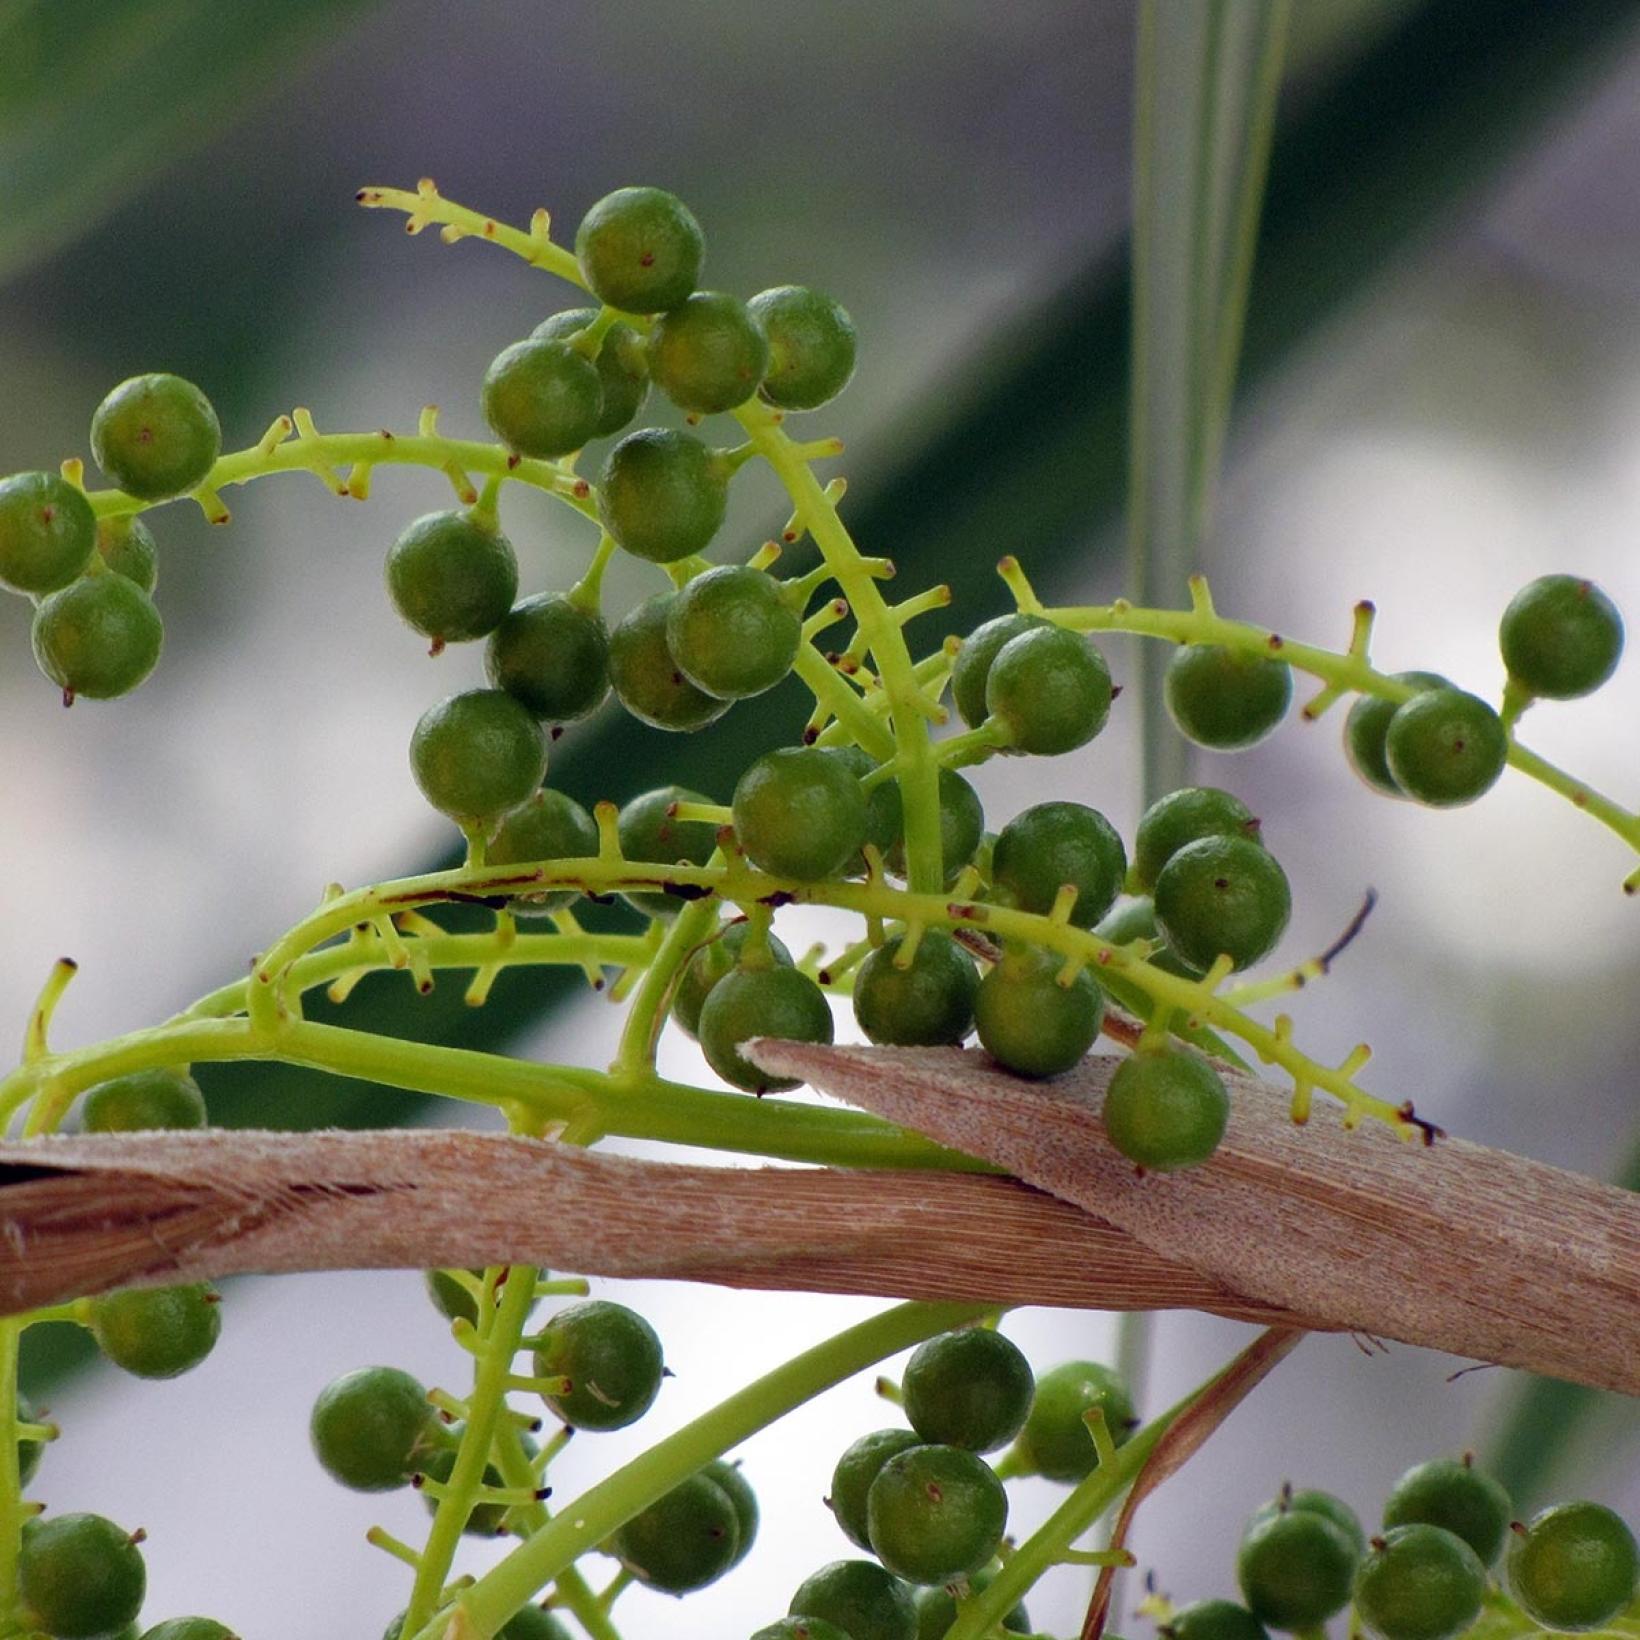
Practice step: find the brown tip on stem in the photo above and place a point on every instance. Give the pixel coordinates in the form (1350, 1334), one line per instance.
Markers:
(68, 697)
(70, 964)
(435, 649)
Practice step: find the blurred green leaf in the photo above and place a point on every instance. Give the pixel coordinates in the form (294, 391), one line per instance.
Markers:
(97, 96)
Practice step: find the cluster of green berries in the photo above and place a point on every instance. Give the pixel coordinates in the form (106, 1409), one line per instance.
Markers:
(1427, 1574)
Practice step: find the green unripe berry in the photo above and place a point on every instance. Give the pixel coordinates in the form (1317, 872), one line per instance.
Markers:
(477, 755)
(373, 1428)
(452, 576)
(1366, 727)
(542, 398)
(684, 1540)
(483, 1519)
(811, 346)
(1055, 1441)
(1185, 816)
(527, 1623)
(962, 822)
(663, 494)
(156, 436)
(190, 1628)
(646, 677)
(971, 1389)
(1419, 1582)
(708, 353)
(1574, 1566)
(79, 1575)
(1166, 1109)
(622, 364)
(552, 656)
(612, 1358)
(1445, 748)
(1222, 698)
(1213, 1620)
(1136, 920)
(549, 826)
(937, 1608)
(164, 1097)
(856, 1470)
(739, 1492)
(860, 1598)
(775, 1001)
(449, 1297)
(157, 1332)
(1051, 690)
(1222, 894)
(640, 250)
(928, 1002)
(1316, 1502)
(799, 813)
(1295, 1568)
(48, 532)
(648, 832)
(800, 1628)
(732, 632)
(1030, 1023)
(710, 964)
(1452, 1493)
(935, 1513)
(1050, 845)
(1561, 637)
(127, 547)
(99, 637)
(971, 671)
(885, 820)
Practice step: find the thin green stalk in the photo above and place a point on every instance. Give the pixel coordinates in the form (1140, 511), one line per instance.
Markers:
(11, 1502)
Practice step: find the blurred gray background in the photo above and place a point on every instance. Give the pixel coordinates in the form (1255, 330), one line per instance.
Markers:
(1431, 429)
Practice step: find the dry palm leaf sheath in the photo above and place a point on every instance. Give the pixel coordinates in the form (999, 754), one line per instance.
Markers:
(1455, 1247)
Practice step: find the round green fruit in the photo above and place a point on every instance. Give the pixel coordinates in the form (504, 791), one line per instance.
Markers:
(477, 755)
(1316, 1502)
(1574, 1566)
(935, 1513)
(685, 1539)
(542, 398)
(157, 1332)
(79, 1575)
(156, 436)
(1296, 1568)
(774, 1001)
(48, 532)
(622, 364)
(708, 353)
(928, 1002)
(551, 656)
(937, 1607)
(713, 962)
(99, 637)
(971, 1388)
(962, 822)
(649, 832)
(811, 346)
(163, 1097)
(1366, 728)
(663, 494)
(190, 1628)
(1186, 816)
(373, 1428)
(1454, 1494)
(860, 1598)
(127, 547)
(1166, 1109)
(732, 632)
(1055, 1441)
(452, 576)
(856, 1470)
(1221, 698)
(1419, 1582)
(1561, 637)
(640, 250)
(1030, 1023)
(800, 1628)
(1445, 748)
(1213, 1620)
(646, 677)
(612, 1358)
(1050, 689)
(1222, 895)
(971, 671)
(1054, 844)
(739, 1492)
(799, 813)
(549, 826)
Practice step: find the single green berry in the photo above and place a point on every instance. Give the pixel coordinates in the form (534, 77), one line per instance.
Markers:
(527, 1623)
(732, 631)
(1051, 690)
(1454, 1494)
(1574, 1566)
(663, 494)
(1316, 1502)
(1166, 1109)
(156, 436)
(856, 1470)
(1222, 895)
(99, 637)
(1295, 1568)
(1050, 845)
(1213, 1620)
(549, 826)
(1030, 1023)
(647, 679)
(483, 1519)
(164, 1097)
(48, 532)
(712, 962)
(1186, 816)
(452, 576)
(28, 1451)
(800, 1628)
(774, 1001)
(1136, 920)
(79, 1575)
(971, 672)
(542, 398)
(612, 1359)
(622, 364)
(935, 1513)
(477, 755)
(684, 1540)
(1367, 725)
(1561, 637)
(971, 1388)
(927, 1002)
(127, 547)
(1055, 1441)
(640, 250)
(649, 833)
(1419, 1582)
(799, 813)
(811, 346)
(708, 353)
(863, 1600)
(885, 819)
(1224, 699)
(373, 1428)
(739, 1491)
(552, 656)
(937, 1607)
(962, 823)
(449, 1297)
(157, 1332)
(1445, 748)
(189, 1628)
